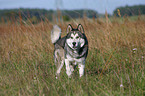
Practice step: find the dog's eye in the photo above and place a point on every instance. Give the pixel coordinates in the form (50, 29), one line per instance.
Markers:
(71, 37)
(77, 37)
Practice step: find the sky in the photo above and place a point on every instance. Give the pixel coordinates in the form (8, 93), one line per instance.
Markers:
(99, 5)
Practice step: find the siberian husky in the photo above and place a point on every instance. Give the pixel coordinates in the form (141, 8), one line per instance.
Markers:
(71, 49)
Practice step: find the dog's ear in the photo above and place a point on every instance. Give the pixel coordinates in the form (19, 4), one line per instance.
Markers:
(69, 28)
(80, 28)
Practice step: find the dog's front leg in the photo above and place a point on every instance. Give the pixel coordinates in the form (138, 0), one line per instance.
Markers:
(81, 69)
(68, 68)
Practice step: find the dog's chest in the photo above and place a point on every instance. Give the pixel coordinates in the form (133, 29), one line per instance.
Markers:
(72, 59)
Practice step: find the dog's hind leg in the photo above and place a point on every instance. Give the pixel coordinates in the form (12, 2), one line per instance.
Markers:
(73, 66)
(59, 54)
(59, 68)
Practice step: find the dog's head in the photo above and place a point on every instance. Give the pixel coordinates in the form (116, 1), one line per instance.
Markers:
(75, 37)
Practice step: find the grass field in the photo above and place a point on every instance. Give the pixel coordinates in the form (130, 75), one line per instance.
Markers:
(115, 65)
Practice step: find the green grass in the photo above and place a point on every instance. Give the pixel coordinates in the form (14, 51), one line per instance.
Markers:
(116, 57)
(37, 77)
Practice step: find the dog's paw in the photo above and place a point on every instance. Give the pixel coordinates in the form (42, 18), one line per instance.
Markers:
(56, 76)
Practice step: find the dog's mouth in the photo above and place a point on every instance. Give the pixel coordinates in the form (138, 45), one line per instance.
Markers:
(75, 47)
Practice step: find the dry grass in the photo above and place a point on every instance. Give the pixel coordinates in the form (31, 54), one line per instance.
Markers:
(116, 56)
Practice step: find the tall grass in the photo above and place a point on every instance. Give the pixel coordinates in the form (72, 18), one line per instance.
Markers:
(115, 63)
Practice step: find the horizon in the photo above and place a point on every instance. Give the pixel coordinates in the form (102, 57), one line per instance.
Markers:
(96, 5)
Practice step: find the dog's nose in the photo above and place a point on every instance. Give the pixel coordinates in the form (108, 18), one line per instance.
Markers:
(74, 43)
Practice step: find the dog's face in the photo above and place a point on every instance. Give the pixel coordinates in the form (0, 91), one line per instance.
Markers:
(75, 37)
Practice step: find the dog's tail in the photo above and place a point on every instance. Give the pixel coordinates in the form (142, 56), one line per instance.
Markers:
(55, 34)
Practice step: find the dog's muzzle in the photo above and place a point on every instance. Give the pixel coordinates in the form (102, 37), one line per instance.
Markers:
(74, 45)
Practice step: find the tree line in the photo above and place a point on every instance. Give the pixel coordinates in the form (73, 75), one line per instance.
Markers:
(129, 10)
(36, 15)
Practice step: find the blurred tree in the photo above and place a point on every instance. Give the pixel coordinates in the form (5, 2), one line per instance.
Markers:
(130, 10)
(66, 18)
(34, 20)
(36, 15)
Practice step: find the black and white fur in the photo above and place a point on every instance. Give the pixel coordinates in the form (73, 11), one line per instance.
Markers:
(71, 49)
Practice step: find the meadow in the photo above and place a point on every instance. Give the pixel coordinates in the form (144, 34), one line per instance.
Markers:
(115, 65)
